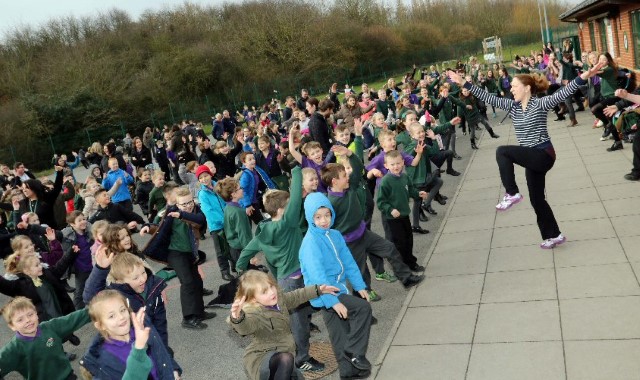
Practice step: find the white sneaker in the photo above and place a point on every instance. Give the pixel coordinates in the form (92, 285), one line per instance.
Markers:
(553, 242)
(508, 201)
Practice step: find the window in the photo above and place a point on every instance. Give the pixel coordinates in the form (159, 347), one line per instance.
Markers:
(592, 36)
(603, 36)
(635, 37)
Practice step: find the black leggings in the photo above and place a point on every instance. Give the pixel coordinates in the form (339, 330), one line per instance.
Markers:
(537, 162)
(281, 366)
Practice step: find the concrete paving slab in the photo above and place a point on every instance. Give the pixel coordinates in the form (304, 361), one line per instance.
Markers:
(449, 291)
(516, 236)
(628, 190)
(597, 281)
(519, 258)
(602, 359)
(461, 224)
(600, 318)
(626, 225)
(437, 325)
(518, 322)
(622, 207)
(456, 263)
(426, 362)
(469, 241)
(630, 244)
(590, 252)
(527, 285)
(522, 361)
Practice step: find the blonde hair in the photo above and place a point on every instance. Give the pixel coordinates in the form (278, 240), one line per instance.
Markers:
(226, 187)
(98, 228)
(17, 262)
(15, 305)
(123, 264)
(252, 283)
(157, 174)
(182, 191)
(93, 309)
(18, 243)
(306, 172)
(386, 133)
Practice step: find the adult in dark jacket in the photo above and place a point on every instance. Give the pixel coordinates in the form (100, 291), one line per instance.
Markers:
(41, 200)
(301, 103)
(140, 154)
(110, 151)
(318, 126)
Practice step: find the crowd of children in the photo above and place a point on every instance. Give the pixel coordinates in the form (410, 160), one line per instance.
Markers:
(301, 189)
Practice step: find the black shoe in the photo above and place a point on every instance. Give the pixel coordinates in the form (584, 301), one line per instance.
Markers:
(443, 196)
(416, 268)
(374, 320)
(71, 357)
(453, 172)
(357, 375)
(208, 315)
(412, 281)
(74, 340)
(616, 146)
(207, 292)
(193, 324)
(423, 216)
(440, 199)
(313, 328)
(474, 146)
(419, 230)
(431, 211)
(632, 176)
(560, 118)
(360, 362)
(226, 275)
(311, 365)
(457, 157)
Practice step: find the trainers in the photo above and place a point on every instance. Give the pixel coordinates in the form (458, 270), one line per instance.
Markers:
(508, 201)
(384, 276)
(373, 296)
(311, 365)
(553, 242)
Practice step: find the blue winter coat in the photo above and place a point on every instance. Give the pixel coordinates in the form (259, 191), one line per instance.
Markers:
(155, 311)
(248, 184)
(325, 257)
(212, 206)
(122, 194)
(105, 366)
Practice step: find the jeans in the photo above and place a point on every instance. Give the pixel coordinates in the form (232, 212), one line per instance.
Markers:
(537, 162)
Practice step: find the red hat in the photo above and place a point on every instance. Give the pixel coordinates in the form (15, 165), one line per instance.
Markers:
(203, 169)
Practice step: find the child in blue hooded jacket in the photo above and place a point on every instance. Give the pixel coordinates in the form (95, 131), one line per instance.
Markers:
(326, 259)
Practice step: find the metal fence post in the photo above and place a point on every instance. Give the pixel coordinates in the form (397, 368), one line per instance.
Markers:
(52, 146)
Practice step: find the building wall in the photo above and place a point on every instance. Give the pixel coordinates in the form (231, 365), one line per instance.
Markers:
(620, 24)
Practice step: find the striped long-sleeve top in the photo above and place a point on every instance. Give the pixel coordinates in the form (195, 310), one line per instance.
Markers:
(530, 124)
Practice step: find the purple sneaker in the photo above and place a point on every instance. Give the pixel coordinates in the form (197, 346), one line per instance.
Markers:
(508, 201)
(553, 242)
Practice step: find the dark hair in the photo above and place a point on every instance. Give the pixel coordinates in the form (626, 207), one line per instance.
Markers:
(325, 105)
(35, 186)
(313, 102)
(538, 83)
(111, 148)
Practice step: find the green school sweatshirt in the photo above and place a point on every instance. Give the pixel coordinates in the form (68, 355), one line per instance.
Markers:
(280, 240)
(237, 227)
(348, 209)
(43, 357)
(156, 199)
(393, 193)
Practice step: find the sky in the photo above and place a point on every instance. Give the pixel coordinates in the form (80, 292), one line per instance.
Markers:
(17, 13)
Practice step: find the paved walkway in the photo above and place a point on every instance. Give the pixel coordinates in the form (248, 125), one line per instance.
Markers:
(496, 306)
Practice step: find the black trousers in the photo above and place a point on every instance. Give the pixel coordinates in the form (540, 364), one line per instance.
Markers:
(636, 154)
(402, 238)
(537, 162)
(190, 283)
(81, 280)
(349, 335)
(444, 155)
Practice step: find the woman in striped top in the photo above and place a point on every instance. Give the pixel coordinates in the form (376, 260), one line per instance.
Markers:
(535, 152)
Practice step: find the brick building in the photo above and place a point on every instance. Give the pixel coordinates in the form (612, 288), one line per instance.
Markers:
(609, 25)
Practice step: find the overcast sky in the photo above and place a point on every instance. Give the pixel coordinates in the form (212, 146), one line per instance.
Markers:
(16, 13)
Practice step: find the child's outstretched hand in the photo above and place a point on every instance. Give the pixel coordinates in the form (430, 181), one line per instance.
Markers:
(328, 289)
(364, 294)
(420, 147)
(144, 230)
(236, 307)
(340, 150)
(357, 126)
(142, 333)
(456, 120)
(75, 248)
(50, 234)
(430, 134)
(104, 258)
(423, 194)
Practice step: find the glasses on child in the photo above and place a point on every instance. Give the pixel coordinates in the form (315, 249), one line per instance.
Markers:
(186, 204)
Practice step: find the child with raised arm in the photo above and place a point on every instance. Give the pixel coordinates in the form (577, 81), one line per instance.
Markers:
(280, 239)
(135, 281)
(35, 352)
(393, 201)
(262, 310)
(312, 158)
(107, 356)
(326, 259)
(254, 182)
